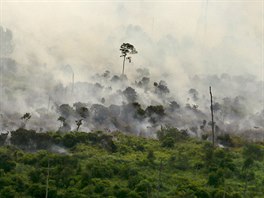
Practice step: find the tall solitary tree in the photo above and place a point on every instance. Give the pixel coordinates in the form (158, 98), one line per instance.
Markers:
(212, 116)
(127, 48)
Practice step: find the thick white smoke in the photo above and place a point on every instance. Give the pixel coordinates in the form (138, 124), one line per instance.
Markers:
(54, 53)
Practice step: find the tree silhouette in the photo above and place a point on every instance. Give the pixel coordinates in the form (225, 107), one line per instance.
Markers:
(212, 115)
(130, 94)
(78, 123)
(127, 48)
(62, 120)
(25, 117)
(65, 127)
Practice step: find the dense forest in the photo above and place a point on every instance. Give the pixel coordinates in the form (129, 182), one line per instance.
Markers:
(100, 164)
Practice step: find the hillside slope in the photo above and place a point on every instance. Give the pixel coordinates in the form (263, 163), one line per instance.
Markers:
(100, 164)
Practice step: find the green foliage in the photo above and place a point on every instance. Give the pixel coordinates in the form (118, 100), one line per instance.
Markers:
(171, 133)
(151, 156)
(168, 142)
(8, 192)
(6, 162)
(30, 140)
(216, 178)
(116, 165)
(98, 138)
(254, 152)
(144, 188)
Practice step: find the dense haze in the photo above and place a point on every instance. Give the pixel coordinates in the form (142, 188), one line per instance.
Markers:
(184, 47)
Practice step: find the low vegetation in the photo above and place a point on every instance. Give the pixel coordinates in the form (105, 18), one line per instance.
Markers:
(98, 164)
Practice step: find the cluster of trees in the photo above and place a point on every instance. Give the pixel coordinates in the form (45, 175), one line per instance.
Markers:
(110, 96)
(31, 141)
(101, 117)
(97, 164)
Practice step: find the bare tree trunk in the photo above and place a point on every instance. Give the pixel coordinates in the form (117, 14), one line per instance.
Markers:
(123, 65)
(212, 115)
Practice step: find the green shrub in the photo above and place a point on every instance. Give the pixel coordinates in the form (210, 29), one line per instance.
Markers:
(168, 142)
(173, 133)
(6, 162)
(8, 192)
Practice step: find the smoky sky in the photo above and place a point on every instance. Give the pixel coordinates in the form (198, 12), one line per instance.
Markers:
(173, 37)
(187, 45)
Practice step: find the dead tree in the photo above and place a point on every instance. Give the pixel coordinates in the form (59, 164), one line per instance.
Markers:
(212, 115)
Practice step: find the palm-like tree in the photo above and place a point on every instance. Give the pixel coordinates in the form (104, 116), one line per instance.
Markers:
(127, 48)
